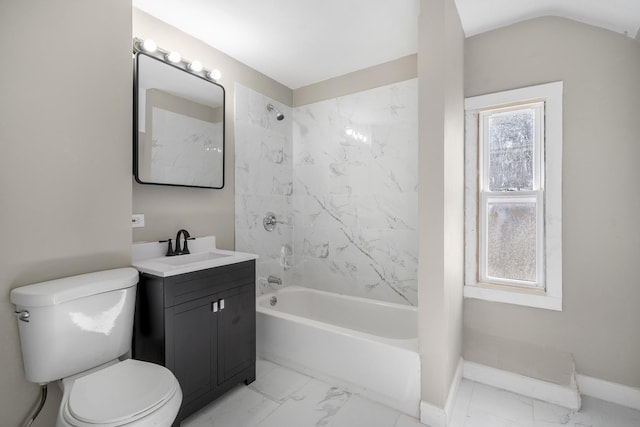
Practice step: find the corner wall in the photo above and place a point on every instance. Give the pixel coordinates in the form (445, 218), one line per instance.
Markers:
(65, 167)
(441, 191)
(601, 201)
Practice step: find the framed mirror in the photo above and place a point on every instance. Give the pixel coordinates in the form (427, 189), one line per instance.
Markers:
(178, 126)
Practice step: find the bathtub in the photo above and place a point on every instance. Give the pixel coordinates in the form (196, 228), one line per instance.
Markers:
(369, 347)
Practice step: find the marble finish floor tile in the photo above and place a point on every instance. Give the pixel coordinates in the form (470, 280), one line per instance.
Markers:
(361, 412)
(594, 413)
(407, 421)
(239, 407)
(491, 407)
(281, 397)
(461, 405)
(494, 407)
(314, 405)
(276, 382)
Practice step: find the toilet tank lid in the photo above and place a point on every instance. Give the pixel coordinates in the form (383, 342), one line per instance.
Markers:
(65, 289)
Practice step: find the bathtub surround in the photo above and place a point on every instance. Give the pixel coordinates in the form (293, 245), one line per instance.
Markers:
(264, 183)
(355, 204)
(341, 175)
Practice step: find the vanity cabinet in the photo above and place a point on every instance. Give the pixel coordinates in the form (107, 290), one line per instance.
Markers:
(200, 325)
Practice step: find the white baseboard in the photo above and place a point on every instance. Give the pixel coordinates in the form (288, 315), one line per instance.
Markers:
(566, 396)
(434, 416)
(611, 392)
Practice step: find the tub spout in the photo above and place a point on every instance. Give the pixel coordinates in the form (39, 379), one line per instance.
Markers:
(274, 280)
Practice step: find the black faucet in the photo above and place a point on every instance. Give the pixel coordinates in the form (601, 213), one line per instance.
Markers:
(185, 249)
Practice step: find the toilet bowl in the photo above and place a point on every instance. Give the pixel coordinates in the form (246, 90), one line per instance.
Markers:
(131, 393)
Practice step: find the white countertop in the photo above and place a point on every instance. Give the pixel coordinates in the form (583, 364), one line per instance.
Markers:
(149, 257)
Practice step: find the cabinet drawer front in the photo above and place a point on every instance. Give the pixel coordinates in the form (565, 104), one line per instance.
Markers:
(199, 284)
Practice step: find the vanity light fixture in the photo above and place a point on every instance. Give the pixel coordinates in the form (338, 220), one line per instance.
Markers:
(149, 47)
(214, 74)
(195, 66)
(173, 57)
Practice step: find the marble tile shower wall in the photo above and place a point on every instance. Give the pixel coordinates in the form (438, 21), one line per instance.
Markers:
(342, 175)
(263, 183)
(355, 205)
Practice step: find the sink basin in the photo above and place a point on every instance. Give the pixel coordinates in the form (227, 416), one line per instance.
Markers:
(148, 257)
(191, 258)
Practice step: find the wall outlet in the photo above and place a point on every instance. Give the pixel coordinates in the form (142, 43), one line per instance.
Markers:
(137, 220)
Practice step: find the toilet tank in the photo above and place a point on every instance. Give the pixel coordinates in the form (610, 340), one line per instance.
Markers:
(75, 323)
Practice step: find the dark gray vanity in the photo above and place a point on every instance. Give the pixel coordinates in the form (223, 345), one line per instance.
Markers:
(201, 325)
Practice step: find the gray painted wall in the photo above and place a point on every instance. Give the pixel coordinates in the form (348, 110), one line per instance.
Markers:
(65, 167)
(601, 200)
(398, 70)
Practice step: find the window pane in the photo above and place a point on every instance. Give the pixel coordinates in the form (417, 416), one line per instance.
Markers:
(511, 150)
(511, 240)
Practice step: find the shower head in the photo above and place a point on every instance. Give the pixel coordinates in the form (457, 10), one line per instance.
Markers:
(279, 114)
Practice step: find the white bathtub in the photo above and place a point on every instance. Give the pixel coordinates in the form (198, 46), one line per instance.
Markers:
(370, 347)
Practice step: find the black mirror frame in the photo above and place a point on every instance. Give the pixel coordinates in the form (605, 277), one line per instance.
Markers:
(136, 54)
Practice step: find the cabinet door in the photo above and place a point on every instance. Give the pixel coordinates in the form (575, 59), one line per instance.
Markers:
(236, 332)
(191, 346)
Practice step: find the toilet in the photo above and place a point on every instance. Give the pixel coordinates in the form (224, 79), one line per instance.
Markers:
(76, 331)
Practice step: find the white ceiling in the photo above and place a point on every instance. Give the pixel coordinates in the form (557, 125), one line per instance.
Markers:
(300, 42)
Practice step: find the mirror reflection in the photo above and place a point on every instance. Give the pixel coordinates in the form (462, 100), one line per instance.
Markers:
(179, 122)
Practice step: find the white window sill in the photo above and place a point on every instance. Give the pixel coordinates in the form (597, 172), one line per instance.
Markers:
(513, 297)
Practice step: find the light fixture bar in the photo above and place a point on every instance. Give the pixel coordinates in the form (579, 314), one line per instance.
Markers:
(150, 48)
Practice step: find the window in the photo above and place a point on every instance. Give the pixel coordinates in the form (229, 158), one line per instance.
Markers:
(513, 201)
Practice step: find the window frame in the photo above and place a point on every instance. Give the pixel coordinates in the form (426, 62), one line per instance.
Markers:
(486, 194)
(547, 188)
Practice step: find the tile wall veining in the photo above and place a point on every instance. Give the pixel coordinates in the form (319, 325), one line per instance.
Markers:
(342, 174)
(263, 183)
(355, 207)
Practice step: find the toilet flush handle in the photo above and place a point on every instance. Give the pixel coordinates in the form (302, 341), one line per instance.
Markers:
(23, 315)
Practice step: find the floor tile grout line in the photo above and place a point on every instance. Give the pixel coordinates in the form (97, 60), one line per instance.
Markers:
(468, 405)
(286, 398)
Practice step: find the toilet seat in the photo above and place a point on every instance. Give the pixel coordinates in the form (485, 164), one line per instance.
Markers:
(121, 394)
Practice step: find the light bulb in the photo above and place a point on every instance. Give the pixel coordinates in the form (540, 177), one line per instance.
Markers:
(173, 57)
(149, 45)
(195, 66)
(214, 74)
